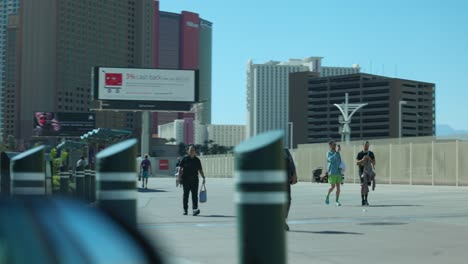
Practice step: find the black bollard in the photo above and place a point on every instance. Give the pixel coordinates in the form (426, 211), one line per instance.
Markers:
(116, 182)
(28, 173)
(65, 231)
(80, 183)
(93, 186)
(49, 177)
(64, 180)
(87, 183)
(70, 171)
(260, 196)
(5, 161)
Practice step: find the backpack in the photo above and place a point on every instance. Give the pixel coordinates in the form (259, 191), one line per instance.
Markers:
(145, 164)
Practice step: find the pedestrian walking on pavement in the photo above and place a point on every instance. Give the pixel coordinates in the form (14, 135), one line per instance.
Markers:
(190, 167)
(292, 179)
(145, 170)
(366, 162)
(177, 171)
(334, 172)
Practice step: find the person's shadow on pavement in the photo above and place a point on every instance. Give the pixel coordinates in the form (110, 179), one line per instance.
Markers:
(144, 190)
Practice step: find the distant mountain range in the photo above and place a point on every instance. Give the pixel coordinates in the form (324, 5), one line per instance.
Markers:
(446, 130)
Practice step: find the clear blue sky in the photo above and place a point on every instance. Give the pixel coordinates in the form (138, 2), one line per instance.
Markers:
(423, 40)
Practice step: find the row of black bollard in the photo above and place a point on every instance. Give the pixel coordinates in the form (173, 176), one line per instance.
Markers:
(85, 184)
(26, 181)
(49, 176)
(93, 186)
(261, 190)
(46, 228)
(90, 185)
(80, 183)
(115, 179)
(64, 181)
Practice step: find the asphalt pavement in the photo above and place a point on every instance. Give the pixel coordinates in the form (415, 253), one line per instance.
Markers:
(403, 224)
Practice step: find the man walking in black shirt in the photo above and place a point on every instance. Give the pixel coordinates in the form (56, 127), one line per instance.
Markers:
(365, 158)
(190, 166)
(291, 179)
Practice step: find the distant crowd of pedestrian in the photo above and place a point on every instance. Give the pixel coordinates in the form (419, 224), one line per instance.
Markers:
(365, 160)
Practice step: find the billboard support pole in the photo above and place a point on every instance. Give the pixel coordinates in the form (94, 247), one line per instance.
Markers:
(145, 132)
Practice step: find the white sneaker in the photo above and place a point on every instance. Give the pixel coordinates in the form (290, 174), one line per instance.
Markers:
(338, 204)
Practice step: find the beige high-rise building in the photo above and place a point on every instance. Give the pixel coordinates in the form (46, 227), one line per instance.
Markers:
(268, 92)
(226, 135)
(172, 131)
(268, 97)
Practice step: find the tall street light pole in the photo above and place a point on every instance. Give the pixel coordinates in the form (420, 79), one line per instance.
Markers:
(345, 110)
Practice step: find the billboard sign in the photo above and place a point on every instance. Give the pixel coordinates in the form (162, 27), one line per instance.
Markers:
(62, 124)
(143, 85)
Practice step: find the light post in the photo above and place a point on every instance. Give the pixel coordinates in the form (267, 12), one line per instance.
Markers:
(145, 132)
(345, 108)
(400, 121)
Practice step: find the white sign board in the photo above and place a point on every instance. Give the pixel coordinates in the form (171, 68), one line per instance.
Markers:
(146, 85)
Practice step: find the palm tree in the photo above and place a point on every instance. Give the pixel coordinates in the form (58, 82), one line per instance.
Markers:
(199, 148)
(204, 149)
(222, 150)
(215, 149)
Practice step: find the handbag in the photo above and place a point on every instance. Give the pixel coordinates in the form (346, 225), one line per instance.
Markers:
(203, 196)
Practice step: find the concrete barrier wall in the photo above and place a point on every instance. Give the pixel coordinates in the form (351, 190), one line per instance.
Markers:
(429, 163)
(463, 163)
(218, 166)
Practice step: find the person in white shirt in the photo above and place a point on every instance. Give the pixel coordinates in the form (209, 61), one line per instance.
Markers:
(81, 163)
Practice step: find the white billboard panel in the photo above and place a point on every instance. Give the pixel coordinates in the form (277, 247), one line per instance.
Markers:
(146, 84)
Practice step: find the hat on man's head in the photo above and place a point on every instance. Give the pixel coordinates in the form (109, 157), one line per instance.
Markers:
(366, 142)
(331, 142)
